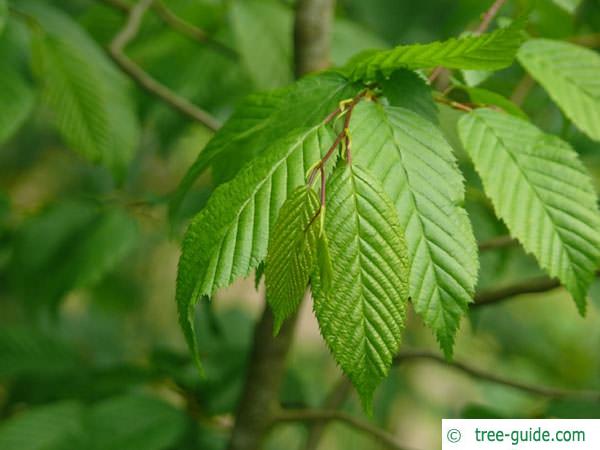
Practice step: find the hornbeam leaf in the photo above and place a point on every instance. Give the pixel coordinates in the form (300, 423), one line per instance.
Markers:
(362, 315)
(407, 89)
(291, 253)
(490, 51)
(260, 120)
(542, 192)
(229, 237)
(418, 172)
(570, 74)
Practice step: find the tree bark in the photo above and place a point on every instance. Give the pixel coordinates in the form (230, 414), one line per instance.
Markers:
(312, 35)
(263, 380)
(266, 367)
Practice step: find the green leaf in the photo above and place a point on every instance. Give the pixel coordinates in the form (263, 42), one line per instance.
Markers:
(407, 89)
(53, 427)
(349, 38)
(16, 101)
(483, 97)
(67, 246)
(3, 15)
(542, 192)
(261, 119)
(263, 33)
(418, 171)
(491, 51)
(569, 74)
(568, 5)
(26, 351)
(86, 93)
(291, 253)
(135, 422)
(362, 316)
(229, 237)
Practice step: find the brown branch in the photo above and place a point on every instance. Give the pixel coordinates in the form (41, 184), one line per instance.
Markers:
(532, 286)
(535, 389)
(522, 89)
(117, 47)
(312, 35)
(323, 415)
(178, 25)
(586, 40)
(496, 243)
(191, 31)
(267, 361)
(264, 375)
(335, 399)
(487, 18)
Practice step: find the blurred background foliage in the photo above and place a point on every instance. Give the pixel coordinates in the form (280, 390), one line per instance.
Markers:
(91, 356)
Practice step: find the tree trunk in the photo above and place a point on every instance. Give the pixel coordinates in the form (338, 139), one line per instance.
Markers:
(266, 366)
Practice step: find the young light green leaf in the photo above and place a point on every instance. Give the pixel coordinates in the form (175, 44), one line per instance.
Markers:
(362, 316)
(260, 120)
(407, 89)
(86, 93)
(263, 32)
(542, 192)
(291, 253)
(491, 51)
(16, 101)
(418, 171)
(229, 237)
(569, 74)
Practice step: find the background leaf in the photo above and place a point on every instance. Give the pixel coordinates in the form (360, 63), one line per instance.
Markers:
(362, 316)
(558, 221)
(87, 95)
(16, 100)
(135, 422)
(262, 32)
(53, 427)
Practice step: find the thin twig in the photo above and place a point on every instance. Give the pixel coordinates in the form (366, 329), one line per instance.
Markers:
(586, 40)
(489, 16)
(116, 48)
(486, 20)
(532, 286)
(535, 389)
(178, 25)
(320, 415)
(522, 89)
(496, 243)
(335, 399)
(191, 31)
